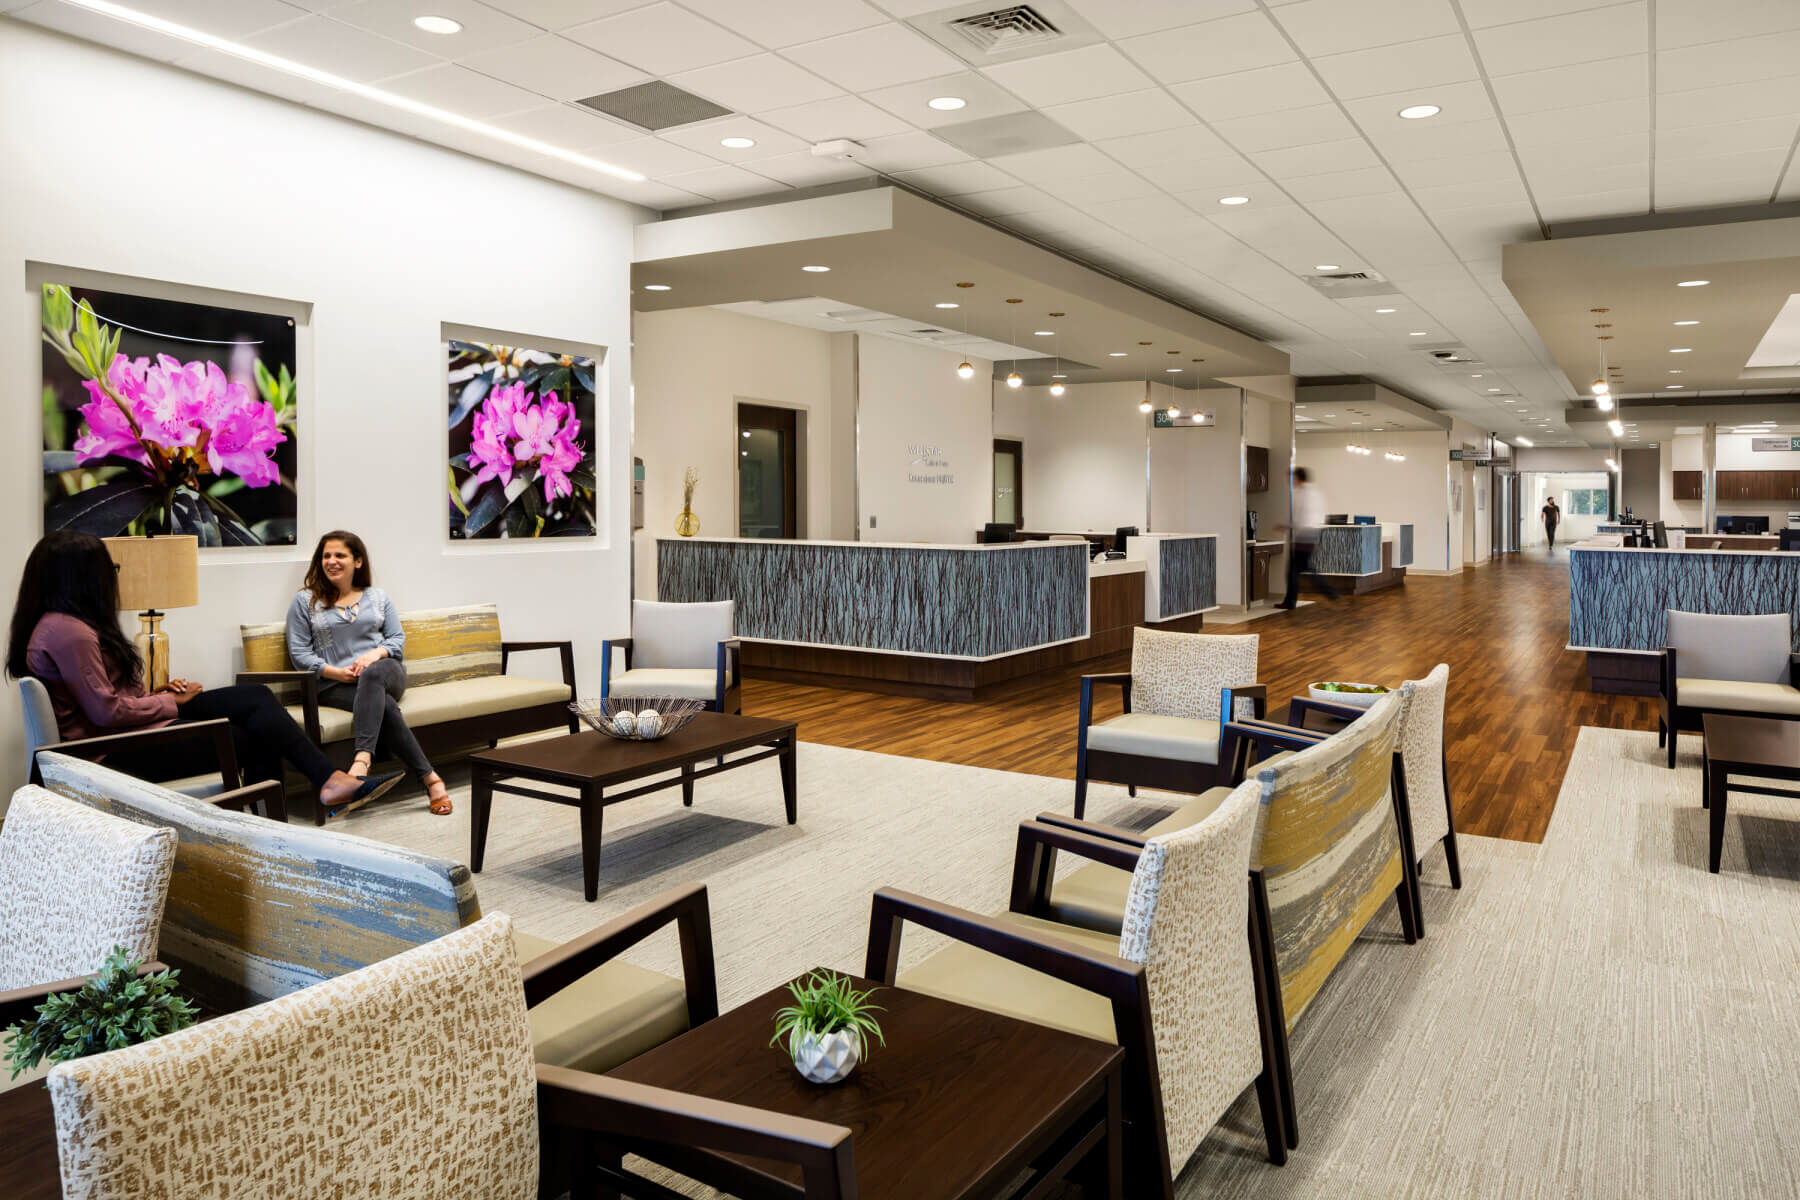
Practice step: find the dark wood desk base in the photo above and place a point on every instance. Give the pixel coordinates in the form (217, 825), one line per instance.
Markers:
(1763, 747)
(1356, 585)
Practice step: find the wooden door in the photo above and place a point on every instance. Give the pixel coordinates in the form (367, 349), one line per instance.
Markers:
(768, 471)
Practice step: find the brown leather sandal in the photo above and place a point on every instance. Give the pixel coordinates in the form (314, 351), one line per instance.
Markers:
(438, 796)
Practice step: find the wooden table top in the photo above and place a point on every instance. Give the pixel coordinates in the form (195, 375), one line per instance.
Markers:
(1752, 741)
(28, 1144)
(591, 756)
(954, 1105)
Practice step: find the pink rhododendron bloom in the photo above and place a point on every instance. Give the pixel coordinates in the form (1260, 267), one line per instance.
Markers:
(107, 432)
(180, 406)
(512, 431)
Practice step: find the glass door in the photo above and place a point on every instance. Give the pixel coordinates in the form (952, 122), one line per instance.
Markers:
(1009, 482)
(768, 475)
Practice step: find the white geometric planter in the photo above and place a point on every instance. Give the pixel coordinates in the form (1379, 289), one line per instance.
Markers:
(828, 1059)
(1349, 699)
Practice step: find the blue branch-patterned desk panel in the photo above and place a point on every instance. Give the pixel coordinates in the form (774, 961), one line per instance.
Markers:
(1618, 598)
(1403, 547)
(959, 602)
(1348, 550)
(1184, 575)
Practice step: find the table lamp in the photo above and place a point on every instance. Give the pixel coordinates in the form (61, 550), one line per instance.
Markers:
(155, 573)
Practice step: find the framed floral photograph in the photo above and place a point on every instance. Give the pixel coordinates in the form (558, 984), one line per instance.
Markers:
(161, 416)
(521, 442)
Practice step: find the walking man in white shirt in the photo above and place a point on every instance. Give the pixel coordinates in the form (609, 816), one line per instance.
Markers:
(1309, 516)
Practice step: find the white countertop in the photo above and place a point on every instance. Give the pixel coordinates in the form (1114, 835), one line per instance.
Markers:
(1117, 566)
(1678, 550)
(1261, 545)
(877, 545)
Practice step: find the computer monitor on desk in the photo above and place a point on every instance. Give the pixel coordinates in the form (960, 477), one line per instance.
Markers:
(996, 532)
(1337, 518)
(1743, 525)
(1360, 519)
(1790, 539)
(1119, 536)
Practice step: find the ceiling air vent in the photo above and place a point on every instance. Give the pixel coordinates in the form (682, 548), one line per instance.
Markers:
(984, 34)
(654, 105)
(1345, 285)
(1004, 29)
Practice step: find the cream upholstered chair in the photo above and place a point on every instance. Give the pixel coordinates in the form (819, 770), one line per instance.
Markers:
(1175, 986)
(411, 1078)
(1426, 770)
(1730, 664)
(74, 883)
(683, 650)
(1168, 735)
(41, 733)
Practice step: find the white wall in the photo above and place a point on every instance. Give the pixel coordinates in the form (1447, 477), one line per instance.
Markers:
(120, 165)
(911, 397)
(1639, 488)
(693, 367)
(1084, 453)
(1583, 459)
(1197, 478)
(1411, 492)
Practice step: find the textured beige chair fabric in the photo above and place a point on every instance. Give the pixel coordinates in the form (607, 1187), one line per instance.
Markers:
(442, 645)
(1185, 918)
(1176, 679)
(1737, 696)
(74, 883)
(411, 1079)
(450, 700)
(1422, 750)
(1155, 736)
(1741, 649)
(682, 636)
(608, 1016)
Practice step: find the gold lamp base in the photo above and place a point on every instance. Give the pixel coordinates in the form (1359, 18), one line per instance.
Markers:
(153, 650)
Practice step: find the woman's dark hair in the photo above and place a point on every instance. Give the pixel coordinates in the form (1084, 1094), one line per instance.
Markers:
(324, 592)
(70, 572)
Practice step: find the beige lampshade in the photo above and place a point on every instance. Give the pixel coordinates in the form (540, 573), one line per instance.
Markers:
(156, 572)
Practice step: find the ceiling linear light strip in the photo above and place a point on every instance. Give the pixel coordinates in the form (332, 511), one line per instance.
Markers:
(288, 66)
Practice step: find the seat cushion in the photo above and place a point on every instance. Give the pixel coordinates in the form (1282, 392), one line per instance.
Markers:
(1738, 697)
(1187, 739)
(452, 700)
(608, 1016)
(1093, 897)
(687, 683)
(965, 975)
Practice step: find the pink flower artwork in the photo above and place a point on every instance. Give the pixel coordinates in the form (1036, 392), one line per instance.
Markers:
(513, 430)
(181, 407)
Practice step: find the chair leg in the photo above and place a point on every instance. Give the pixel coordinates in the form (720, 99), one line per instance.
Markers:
(1674, 724)
(1450, 859)
(1662, 733)
(1268, 1083)
(1080, 796)
(1131, 789)
(1264, 963)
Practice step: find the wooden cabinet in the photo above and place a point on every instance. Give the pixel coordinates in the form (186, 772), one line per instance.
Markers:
(1688, 484)
(1256, 468)
(1740, 485)
(1262, 559)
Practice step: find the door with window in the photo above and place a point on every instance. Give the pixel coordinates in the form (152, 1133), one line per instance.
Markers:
(1009, 482)
(768, 471)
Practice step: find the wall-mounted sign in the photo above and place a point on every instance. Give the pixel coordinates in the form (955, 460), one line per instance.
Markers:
(929, 464)
(1456, 456)
(1775, 443)
(1204, 418)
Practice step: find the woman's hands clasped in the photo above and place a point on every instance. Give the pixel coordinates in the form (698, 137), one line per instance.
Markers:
(350, 673)
(182, 689)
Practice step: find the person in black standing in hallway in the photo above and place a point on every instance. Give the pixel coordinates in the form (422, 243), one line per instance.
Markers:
(1550, 515)
(1309, 517)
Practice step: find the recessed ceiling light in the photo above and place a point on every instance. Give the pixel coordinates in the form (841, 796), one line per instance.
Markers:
(1328, 267)
(948, 304)
(438, 24)
(815, 269)
(1687, 322)
(1474, 377)
(1682, 350)
(1497, 389)
(1416, 112)
(656, 287)
(1059, 377)
(1387, 310)
(1042, 332)
(1674, 386)
(946, 103)
(746, 433)
(1674, 372)
(1418, 333)
(737, 143)
(1332, 415)
(1693, 283)
(1172, 370)
(1115, 354)
(1234, 199)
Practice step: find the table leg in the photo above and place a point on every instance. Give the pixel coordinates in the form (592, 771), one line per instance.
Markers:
(1115, 1152)
(481, 803)
(1705, 776)
(789, 781)
(592, 805)
(1715, 789)
(687, 785)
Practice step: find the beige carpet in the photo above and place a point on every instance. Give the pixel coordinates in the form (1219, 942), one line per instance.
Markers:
(1598, 1016)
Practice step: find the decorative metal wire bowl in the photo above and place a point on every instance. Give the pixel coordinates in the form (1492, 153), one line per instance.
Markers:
(623, 717)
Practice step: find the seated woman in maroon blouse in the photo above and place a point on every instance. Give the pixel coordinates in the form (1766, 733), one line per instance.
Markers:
(65, 633)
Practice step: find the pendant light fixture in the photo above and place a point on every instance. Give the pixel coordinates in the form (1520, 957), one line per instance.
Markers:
(1013, 379)
(965, 369)
(1056, 383)
(1602, 385)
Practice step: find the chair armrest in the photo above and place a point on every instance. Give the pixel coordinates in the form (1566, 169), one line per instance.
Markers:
(508, 649)
(1120, 679)
(729, 666)
(1794, 670)
(606, 649)
(1238, 738)
(1112, 832)
(624, 1112)
(1668, 673)
(269, 793)
(1034, 860)
(686, 907)
(309, 694)
(1300, 706)
(93, 748)
(1256, 693)
(1106, 974)
(20, 1004)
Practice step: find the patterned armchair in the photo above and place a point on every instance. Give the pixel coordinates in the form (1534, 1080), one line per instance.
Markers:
(74, 883)
(1739, 665)
(1168, 735)
(681, 650)
(419, 1082)
(1176, 986)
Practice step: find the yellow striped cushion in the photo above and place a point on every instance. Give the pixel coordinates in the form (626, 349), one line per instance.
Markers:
(441, 644)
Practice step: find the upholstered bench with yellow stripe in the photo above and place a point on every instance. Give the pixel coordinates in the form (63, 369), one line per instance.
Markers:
(458, 693)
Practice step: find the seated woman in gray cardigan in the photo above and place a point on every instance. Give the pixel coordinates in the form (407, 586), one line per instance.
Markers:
(349, 634)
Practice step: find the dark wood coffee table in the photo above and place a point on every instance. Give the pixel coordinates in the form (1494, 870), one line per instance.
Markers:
(593, 762)
(955, 1106)
(1760, 747)
(28, 1144)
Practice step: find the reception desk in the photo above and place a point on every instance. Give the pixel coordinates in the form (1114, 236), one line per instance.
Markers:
(1619, 597)
(939, 620)
(1363, 558)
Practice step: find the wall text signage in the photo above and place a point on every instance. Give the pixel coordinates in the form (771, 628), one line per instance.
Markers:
(929, 464)
(1775, 443)
(1208, 418)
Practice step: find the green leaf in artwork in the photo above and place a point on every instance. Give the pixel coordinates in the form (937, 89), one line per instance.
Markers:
(455, 492)
(56, 422)
(266, 385)
(103, 511)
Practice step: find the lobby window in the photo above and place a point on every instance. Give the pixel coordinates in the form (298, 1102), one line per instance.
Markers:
(1585, 502)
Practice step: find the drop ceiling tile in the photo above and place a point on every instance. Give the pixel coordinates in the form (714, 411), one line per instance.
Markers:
(1188, 143)
(1615, 119)
(1587, 36)
(875, 58)
(566, 125)
(1731, 138)
(1252, 93)
(1263, 194)
(459, 90)
(1317, 159)
(657, 196)
(1010, 201)
(1624, 150)
(1580, 179)
(1739, 60)
(1692, 22)
(1222, 175)
(1059, 163)
(1765, 164)
(1118, 20)
(226, 18)
(723, 183)
(555, 67)
(1715, 191)
(654, 157)
(1335, 185)
(1482, 13)
(1120, 116)
(958, 178)
(548, 14)
(755, 84)
(910, 151)
(1459, 102)
(836, 117)
(1296, 127)
(345, 50)
(662, 39)
(1734, 102)
(1322, 27)
(982, 97)
(1410, 145)
(1221, 47)
(1084, 74)
(1449, 197)
(779, 23)
(1625, 78)
(83, 23)
(482, 27)
(1790, 184)
(1117, 184)
(806, 169)
(1408, 66)
(706, 137)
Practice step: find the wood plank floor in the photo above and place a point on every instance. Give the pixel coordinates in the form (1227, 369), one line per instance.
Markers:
(1517, 698)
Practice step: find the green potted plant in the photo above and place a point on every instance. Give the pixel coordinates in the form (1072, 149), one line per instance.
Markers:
(117, 1007)
(827, 1027)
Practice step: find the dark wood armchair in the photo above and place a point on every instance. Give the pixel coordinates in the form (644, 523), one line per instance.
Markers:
(266, 798)
(1742, 665)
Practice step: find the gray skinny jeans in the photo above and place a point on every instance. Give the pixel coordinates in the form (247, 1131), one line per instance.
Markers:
(373, 700)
